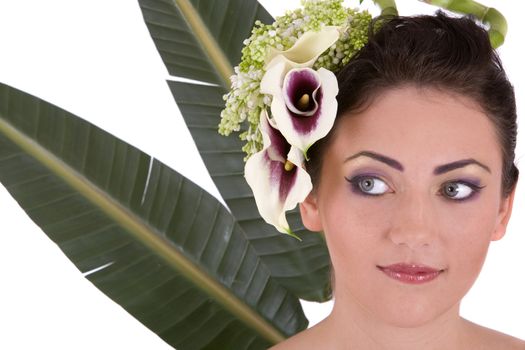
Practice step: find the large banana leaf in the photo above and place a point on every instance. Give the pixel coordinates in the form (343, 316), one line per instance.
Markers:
(158, 245)
(202, 40)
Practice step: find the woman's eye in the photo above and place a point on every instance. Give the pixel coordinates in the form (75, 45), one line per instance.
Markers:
(459, 190)
(368, 185)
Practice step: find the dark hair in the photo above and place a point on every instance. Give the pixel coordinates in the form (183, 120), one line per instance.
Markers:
(448, 53)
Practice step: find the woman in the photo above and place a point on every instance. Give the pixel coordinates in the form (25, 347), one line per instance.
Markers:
(411, 185)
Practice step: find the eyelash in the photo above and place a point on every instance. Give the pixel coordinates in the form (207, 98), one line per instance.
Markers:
(357, 179)
(475, 190)
(357, 189)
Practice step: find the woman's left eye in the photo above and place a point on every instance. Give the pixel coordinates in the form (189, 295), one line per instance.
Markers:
(458, 190)
(368, 185)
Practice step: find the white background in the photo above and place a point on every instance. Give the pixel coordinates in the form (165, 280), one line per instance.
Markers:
(96, 59)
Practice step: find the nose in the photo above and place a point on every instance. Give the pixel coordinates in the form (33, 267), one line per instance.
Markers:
(413, 222)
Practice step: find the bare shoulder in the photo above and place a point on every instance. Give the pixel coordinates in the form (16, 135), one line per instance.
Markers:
(491, 339)
(478, 338)
(311, 338)
(505, 341)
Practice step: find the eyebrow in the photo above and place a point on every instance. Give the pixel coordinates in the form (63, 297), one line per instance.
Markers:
(441, 169)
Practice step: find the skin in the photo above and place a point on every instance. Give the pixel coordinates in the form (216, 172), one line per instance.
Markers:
(412, 221)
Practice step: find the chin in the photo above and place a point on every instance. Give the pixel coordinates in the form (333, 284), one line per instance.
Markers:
(410, 320)
(411, 314)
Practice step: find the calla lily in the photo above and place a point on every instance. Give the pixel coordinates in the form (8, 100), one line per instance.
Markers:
(303, 104)
(305, 50)
(276, 177)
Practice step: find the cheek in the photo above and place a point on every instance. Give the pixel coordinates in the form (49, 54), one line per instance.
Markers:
(466, 236)
(353, 229)
(469, 239)
(356, 229)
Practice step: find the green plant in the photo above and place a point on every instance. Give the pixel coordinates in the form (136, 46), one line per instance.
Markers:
(41, 150)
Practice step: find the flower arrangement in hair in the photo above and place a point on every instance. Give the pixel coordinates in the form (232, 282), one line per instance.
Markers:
(285, 89)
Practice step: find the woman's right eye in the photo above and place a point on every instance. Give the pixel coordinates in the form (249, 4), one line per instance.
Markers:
(368, 185)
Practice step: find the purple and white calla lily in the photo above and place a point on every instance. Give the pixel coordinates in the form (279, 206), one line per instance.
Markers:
(304, 102)
(276, 177)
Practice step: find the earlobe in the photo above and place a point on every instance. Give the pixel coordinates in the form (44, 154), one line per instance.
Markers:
(310, 213)
(503, 216)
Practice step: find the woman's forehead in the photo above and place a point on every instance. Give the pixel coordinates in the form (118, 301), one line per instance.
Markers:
(417, 124)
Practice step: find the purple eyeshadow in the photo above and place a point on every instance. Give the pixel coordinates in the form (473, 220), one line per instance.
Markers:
(354, 182)
(473, 184)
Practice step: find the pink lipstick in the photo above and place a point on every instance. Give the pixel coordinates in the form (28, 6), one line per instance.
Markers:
(411, 273)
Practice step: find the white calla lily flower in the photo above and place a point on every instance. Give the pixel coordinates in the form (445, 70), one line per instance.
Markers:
(276, 177)
(306, 49)
(304, 102)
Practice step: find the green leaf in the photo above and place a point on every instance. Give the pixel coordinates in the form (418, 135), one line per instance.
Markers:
(201, 40)
(158, 245)
(302, 267)
(488, 15)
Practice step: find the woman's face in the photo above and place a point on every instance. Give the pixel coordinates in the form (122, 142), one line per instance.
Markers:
(409, 221)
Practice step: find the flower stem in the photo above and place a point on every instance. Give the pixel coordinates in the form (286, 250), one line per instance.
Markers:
(488, 15)
(388, 7)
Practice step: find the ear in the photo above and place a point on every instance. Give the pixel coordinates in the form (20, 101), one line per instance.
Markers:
(310, 213)
(503, 216)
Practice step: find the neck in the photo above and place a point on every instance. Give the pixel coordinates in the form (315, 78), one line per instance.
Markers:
(354, 327)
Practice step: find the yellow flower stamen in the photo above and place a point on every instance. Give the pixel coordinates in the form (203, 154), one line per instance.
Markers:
(288, 166)
(303, 102)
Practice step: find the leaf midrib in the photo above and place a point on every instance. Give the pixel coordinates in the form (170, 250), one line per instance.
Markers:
(142, 231)
(206, 40)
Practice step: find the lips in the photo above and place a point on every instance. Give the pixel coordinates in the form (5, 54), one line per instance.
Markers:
(411, 273)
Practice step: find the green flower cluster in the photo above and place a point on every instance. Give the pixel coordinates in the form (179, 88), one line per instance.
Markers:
(245, 102)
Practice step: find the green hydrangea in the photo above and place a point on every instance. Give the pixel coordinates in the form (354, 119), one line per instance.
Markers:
(245, 102)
